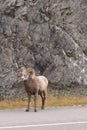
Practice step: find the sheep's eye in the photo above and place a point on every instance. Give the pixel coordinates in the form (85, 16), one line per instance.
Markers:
(24, 75)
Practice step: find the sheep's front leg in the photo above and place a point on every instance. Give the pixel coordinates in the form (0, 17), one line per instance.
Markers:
(35, 101)
(29, 98)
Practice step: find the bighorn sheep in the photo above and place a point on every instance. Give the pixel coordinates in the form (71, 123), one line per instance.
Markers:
(34, 85)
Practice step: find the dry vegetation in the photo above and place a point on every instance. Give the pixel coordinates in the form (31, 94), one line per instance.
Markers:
(51, 102)
(64, 97)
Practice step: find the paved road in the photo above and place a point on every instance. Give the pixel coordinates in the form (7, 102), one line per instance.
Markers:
(60, 118)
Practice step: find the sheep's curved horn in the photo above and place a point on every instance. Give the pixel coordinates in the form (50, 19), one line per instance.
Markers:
(31, 70)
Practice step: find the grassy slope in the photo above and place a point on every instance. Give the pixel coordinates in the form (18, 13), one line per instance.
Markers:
(51, 101)
(64, 97)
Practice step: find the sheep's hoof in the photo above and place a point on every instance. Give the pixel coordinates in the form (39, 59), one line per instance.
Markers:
(42, 108)
(27, 110)
(35, 110)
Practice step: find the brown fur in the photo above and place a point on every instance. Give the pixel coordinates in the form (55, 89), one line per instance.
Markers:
(34, 85)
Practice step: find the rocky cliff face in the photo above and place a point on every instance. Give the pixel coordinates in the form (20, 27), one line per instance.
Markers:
(49, 35)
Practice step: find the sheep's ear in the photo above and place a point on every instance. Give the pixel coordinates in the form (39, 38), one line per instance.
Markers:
(19, 73)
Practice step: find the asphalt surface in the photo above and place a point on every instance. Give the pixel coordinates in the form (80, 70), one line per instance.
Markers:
(59, 118)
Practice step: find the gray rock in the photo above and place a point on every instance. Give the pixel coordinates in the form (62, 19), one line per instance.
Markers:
(50, 36)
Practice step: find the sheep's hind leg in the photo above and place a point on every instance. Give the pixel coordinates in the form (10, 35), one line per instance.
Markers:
(42, 97)
(29, 98)
(42, 103)
(43, 100)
